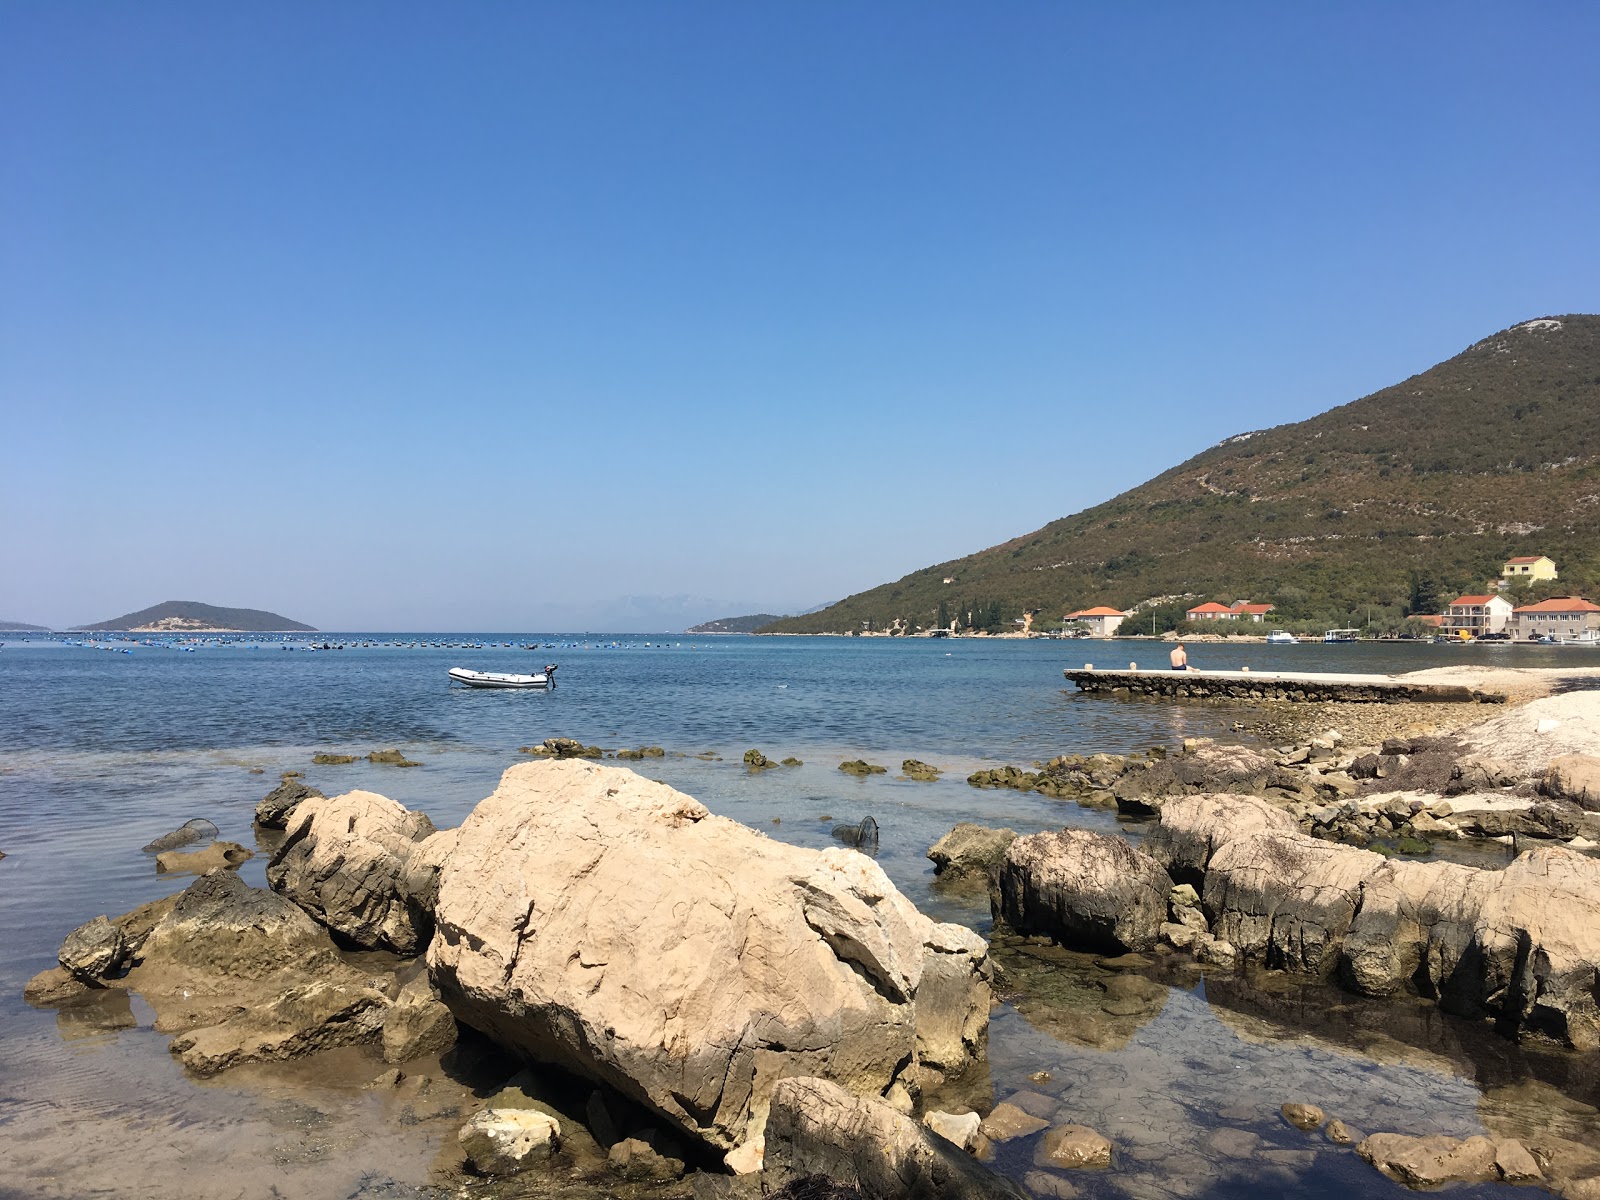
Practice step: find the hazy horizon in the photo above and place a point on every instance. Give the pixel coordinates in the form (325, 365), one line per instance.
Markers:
(400, 317)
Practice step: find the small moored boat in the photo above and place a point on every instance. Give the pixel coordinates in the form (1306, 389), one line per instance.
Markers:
(500, 679)
(1282, 637)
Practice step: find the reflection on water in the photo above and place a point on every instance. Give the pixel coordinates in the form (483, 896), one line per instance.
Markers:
(100, 753)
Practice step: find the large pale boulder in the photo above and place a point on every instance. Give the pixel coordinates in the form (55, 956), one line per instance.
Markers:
(597, 920)
(1089, 890)
(819, 1128)
(362, 865)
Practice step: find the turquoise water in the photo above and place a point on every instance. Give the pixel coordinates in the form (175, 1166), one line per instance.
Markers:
(101, 751)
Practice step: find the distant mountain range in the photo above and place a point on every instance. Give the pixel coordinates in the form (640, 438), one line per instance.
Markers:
(1397, 501)
(21, 627)
(190, 616)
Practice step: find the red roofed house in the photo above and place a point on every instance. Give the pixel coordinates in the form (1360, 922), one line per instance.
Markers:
(1477, 615)
(1237, 611)
(1101, 621)
(1566, 617)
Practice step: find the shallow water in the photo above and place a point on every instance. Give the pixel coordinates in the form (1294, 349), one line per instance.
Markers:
(100, 752)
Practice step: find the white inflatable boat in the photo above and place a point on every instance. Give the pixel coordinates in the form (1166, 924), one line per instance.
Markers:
(498, 679)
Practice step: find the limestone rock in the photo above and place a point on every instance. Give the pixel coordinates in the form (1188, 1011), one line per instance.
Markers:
(970, 849)
(502, 1141)
(959, 1129)
(635, 1159)
(1193, 827)
(218, 856)
(1341, 1134)
(1071, 1147)
(1007, 1121)
(1087, 890)
(611, 925)
(1208, 768)
(1520, 945)
(362, 865)
(93, 949)
(272, 811)
(1574, 777)
(244, 975)
(1303, 1116)
(54, 986)
(393, 758)
(915, 768)
(316, 1016)
(1426, 1162)
(417, 1023)
(818, 1128)
(857, 766)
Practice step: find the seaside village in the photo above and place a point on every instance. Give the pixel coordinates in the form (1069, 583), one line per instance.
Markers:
(1490, 616)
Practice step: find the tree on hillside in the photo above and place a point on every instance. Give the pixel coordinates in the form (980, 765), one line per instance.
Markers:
(1424, 595)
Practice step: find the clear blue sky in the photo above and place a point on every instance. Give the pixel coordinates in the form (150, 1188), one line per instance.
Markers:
(516, 315)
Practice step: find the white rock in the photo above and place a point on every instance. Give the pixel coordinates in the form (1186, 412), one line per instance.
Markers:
(595, 919)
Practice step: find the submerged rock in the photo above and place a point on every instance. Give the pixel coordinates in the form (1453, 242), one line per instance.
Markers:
(563, 747)
(1087, 890)
(613, 926)
(324, 759)
(914, 768)
(859, 766)
(757, 761)
(817, 1128)
(1429, 1162)
(391, 758)
(1073, 1147)
(223, 856)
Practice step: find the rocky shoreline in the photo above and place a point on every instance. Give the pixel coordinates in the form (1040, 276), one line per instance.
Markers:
(662, 1001)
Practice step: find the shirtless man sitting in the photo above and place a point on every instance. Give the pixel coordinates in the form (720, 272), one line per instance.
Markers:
(1180, 658)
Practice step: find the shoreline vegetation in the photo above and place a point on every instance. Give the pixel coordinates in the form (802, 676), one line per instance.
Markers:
(1307, 857)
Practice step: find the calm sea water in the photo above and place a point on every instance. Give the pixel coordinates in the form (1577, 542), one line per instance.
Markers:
(101, 751)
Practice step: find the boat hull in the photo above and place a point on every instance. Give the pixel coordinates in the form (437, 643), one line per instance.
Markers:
(497, 679)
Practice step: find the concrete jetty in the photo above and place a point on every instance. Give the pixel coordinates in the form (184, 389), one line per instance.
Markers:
(1275, 685)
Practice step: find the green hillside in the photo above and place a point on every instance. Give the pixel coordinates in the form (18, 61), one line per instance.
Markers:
(1390, 501)
(184, 615)
(734, 624)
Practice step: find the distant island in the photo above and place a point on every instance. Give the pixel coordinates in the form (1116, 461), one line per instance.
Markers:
(22, 627)
(735, 624)
(190, 616)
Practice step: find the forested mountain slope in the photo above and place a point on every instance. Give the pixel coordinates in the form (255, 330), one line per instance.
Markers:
(1392, 500)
